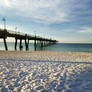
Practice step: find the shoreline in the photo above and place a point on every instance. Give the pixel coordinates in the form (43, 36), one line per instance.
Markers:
(48, 55)
(46, 51)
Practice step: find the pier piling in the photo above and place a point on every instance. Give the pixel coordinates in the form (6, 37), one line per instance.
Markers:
(21, 47)
(4, 38)
(5, 44)
(15, 43)
(35, 44)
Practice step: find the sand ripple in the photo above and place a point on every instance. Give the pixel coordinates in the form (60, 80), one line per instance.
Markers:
(21, 74)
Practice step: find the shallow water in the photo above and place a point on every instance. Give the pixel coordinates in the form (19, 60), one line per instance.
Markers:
(57, 47)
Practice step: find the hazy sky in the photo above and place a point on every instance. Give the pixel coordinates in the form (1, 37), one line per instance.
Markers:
(65, 20)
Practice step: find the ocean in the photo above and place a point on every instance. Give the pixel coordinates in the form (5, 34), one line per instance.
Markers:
(74, 47)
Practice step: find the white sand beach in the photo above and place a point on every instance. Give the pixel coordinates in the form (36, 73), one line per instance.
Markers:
(45, 71)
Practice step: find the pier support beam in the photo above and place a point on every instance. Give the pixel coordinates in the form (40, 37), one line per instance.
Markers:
(35, 44)
(26, 44)
(15, 43)
(5, 44)
(21, 47)
(4, 38)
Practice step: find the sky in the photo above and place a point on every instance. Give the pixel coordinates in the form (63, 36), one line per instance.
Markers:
(68, 21)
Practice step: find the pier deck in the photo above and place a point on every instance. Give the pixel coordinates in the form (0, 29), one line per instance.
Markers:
(4, 33)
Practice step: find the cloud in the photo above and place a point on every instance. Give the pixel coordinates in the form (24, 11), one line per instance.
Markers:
(87, 30)
(44, 11)
(8, 3)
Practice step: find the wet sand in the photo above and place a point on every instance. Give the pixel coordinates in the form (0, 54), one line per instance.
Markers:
(45, 71)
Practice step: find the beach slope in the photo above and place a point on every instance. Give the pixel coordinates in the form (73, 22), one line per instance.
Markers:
(45, 71)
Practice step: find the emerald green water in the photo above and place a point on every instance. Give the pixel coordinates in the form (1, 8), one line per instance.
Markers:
(57, 47)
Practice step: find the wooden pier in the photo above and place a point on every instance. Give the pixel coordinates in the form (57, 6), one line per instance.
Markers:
(4, 33)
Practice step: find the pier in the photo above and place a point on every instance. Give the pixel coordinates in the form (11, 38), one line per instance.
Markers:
(42, 42)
